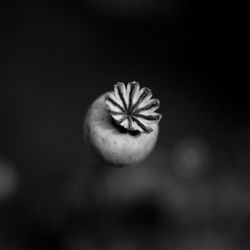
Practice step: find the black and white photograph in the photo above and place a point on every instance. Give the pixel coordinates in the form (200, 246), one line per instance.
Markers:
(124, 125)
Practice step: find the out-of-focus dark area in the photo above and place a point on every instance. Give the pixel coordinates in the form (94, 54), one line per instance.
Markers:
(192, 193)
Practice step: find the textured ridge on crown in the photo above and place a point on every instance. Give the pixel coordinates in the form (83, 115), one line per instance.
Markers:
(133, 108)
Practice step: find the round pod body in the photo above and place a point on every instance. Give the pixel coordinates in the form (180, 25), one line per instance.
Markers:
(116, 147)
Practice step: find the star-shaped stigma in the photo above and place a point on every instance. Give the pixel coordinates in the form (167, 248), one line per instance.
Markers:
(132, 107)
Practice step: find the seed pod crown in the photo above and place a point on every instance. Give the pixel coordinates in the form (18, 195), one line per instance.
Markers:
(132, 107)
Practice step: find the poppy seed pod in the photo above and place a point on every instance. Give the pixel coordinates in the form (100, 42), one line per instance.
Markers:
(122, 125)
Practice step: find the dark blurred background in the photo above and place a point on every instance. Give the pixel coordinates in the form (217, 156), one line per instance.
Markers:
(191, 193)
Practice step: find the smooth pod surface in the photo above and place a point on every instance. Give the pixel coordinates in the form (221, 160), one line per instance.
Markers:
(113, 146)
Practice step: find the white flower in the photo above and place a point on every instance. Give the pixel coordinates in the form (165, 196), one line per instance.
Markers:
(132, 107)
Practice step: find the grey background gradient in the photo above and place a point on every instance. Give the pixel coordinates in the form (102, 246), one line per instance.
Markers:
(192, 192)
